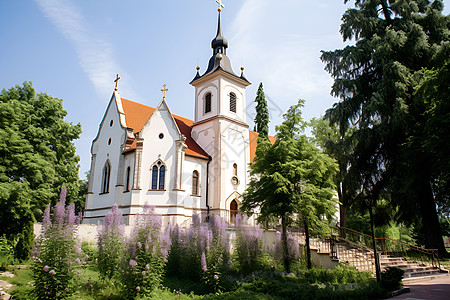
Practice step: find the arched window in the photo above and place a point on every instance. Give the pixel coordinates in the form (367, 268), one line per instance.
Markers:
(162, 174)
(235, 169)
(233, 102)
(195, 183)
(158, 176)
(106, 174)
(127, 182)
(208, 103)
(233, 211)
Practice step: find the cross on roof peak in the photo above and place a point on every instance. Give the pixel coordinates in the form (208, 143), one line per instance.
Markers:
(164, 90)
(220, 5)
(116, 81)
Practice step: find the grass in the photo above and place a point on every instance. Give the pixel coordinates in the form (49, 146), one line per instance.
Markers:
(267, 287)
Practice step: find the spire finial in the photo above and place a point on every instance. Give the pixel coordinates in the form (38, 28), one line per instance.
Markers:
(220, 5)
(116, 81)
(164, 90)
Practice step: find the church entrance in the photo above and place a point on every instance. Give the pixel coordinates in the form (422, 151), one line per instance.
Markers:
(233, 211)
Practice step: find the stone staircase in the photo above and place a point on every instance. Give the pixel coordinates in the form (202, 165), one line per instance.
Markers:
(362, 258)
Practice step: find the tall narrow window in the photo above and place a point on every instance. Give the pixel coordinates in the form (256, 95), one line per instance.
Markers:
(106, 174)
(208, 103)
(127, 182)
(154, 177)
(233, 211)
(233, 102)
(235, 169)
(158, 176)
(195, 183)
(162, 174)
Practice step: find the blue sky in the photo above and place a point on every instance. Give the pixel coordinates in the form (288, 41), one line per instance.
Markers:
(73, 49)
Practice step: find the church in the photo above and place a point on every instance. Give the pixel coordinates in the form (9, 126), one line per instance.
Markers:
(144, 154)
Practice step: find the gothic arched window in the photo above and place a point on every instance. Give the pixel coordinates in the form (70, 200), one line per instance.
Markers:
(195, 183)
(208, 103)
(158, 176)
(233, 102)
(106, 174)
(127, 182)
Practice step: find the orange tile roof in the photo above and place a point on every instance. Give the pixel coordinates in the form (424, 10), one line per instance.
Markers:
(253, 138)
(136, 115)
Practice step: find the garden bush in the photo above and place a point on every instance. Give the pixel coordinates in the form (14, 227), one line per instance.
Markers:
(111, 243)
(391, 278)
(6, 252)
(341, 274)
(146, 255)
(56, 252)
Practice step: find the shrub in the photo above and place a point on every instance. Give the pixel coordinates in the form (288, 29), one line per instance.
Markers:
(25, 240)
(6, 252)
(341, 274)
(391, 278)
(55, 252)
(111, 243)
(146, 255)
(248, 249)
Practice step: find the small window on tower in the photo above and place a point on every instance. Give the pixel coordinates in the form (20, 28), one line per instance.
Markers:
(111, 123)
(232, 102)
(208, 103)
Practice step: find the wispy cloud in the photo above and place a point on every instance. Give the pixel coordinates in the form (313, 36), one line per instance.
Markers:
(94, 54)
(281, 48)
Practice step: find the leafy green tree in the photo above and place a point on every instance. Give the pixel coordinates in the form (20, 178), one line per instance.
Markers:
(292, 180)
(329, 139)
(262, 114)
(37, 155)
(375, 78)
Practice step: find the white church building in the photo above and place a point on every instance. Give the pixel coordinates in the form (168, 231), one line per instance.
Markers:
(181, 167)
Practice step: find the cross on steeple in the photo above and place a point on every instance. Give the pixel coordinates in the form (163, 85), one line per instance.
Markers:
(164, 90)
(220, 5)
(116, 81)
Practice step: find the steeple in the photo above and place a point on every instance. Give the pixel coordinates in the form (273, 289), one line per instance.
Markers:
(219, 59)
(219, 43)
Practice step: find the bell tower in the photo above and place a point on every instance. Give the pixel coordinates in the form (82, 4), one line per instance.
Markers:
(220, 126)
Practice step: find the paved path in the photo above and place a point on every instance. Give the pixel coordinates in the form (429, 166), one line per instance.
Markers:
(428, 289)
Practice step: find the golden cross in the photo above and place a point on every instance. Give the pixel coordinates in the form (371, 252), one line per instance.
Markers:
(116, 81)
(220, 5)
(164, 90)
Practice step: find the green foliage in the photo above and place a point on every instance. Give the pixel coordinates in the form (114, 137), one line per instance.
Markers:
(56, 252)
(375, 79)
(25, 241)
(262, 114)
(6, 252)
(291, 178)
(341, 274)
(391, 278)
(37, 155)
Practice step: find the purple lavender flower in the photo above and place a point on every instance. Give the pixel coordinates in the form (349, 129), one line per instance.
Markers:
(203, 262)
(52, 272)
(46, 268)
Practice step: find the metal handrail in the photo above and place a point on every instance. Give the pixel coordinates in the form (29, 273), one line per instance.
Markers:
(399, 248)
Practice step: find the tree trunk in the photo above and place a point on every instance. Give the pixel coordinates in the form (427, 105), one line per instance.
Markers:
(430, 220)
(284, 245)
(308, 248)
(374, 244)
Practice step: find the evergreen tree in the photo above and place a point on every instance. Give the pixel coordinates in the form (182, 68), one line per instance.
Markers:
(262, 114)
(37, 156)
(375, 78)
(292, 181)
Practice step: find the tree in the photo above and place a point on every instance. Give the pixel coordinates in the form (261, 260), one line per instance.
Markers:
(375, 78)
(291, 180)
(37, 155)
(262, 114)
(329, 139)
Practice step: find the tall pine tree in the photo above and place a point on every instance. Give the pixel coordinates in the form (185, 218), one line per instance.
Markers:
(375, 79)
(262, 114)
